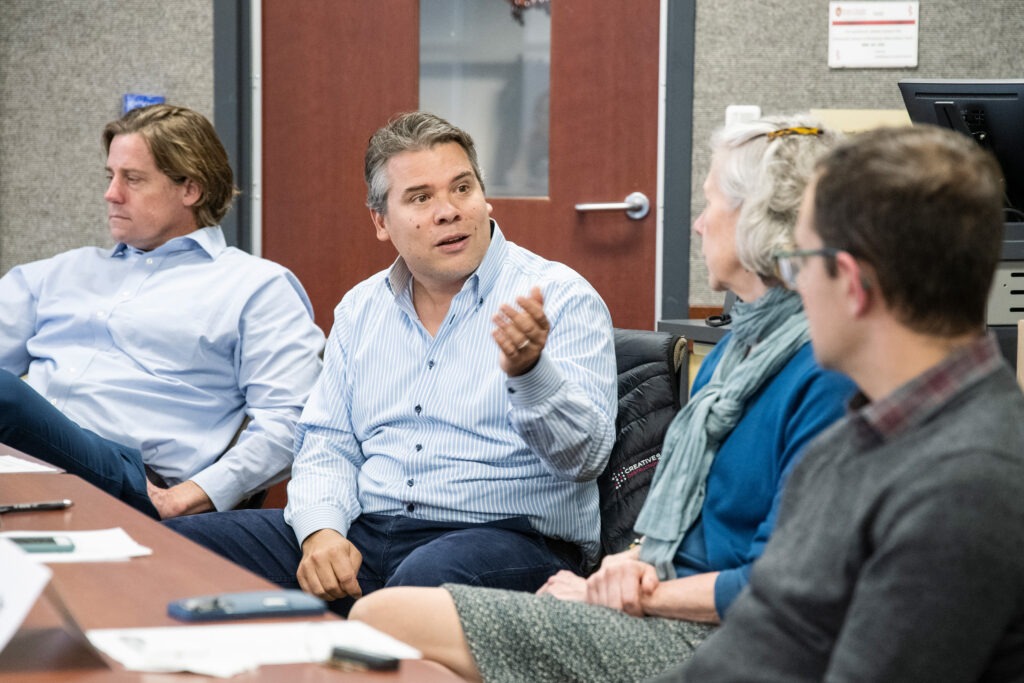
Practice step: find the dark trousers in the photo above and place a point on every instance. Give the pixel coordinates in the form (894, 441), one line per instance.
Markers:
(397, 551)
(29, 423)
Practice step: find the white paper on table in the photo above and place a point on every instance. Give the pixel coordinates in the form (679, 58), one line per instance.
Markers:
(103, 545)
(12, 464)
(21, 582)
(229, 649)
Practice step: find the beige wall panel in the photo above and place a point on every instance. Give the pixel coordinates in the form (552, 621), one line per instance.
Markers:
(773, 54)
(64, 65)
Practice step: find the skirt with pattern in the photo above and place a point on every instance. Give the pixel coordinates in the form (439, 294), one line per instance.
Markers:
(519, 637)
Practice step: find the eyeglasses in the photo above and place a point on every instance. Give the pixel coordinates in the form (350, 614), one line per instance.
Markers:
(789, 263)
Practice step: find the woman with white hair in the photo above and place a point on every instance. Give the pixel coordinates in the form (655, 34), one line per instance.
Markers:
(758, 399)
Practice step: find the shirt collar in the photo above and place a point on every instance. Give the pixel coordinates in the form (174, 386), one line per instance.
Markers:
(399, 278)
(490, 268)
(917, 400)
(211, 240)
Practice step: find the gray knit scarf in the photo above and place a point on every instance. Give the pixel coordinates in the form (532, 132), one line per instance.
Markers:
(767, 332)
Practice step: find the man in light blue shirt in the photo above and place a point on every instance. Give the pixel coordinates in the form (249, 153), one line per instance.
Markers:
(466, 407)
(147, 358)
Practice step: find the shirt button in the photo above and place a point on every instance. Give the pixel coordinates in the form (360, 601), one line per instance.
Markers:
(419, 447)
(149, 262)
(410, 507)
(53, 401)
(430, 365)
(409, 482)
(418, 409)
(100, 314)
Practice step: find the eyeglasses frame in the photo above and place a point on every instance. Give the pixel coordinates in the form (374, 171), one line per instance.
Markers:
(788, 273)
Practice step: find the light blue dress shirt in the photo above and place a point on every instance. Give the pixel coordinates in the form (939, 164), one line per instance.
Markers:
(402, 423)
(167, 351)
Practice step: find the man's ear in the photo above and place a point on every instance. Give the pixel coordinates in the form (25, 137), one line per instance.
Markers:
(193, 192)
(859, 283)
(378, 223)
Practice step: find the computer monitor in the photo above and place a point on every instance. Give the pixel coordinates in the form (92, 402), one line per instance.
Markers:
(990, 111)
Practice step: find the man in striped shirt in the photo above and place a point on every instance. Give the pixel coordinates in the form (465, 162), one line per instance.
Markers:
(466, 407)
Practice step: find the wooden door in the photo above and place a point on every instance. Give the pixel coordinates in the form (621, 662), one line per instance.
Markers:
(335, 70)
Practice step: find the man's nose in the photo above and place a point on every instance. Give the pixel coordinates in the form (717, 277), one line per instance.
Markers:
(447, 211)
(113, 193)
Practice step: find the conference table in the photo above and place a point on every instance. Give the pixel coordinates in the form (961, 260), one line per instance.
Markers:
(133, 593)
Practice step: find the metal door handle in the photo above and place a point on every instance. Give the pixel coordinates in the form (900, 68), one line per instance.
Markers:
(636, 206)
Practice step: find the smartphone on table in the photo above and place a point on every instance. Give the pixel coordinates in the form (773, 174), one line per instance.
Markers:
(351, 659)
(44, 544)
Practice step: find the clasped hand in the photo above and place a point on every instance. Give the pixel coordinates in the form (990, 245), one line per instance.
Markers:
(621, 583)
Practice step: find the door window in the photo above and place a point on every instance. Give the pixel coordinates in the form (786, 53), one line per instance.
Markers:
(485, 65)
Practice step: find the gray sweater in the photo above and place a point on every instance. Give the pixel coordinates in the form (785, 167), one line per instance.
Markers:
(895, 562)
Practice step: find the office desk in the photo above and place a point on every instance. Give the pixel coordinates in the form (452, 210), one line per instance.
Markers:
(702, 337)
(132, 594)
(694, 329)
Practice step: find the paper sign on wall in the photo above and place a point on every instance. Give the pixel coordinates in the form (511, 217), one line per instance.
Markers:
(872, 35)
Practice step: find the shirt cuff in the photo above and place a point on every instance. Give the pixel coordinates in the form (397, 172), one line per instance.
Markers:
(535, 386)
(728, 586)
(223, 493)
(311, 520)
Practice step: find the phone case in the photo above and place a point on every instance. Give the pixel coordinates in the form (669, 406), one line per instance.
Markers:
(359, 660)
(251, 605)
(44, 544)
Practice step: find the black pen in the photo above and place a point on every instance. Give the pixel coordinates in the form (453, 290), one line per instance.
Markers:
(34, 507)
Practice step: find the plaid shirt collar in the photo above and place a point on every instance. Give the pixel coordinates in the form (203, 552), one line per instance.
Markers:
(918, 399)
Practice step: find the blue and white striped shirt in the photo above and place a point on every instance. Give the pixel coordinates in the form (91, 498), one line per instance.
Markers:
(402, 423)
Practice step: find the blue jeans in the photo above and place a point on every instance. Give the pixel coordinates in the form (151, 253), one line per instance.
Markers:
(397, 551)
(29, 423)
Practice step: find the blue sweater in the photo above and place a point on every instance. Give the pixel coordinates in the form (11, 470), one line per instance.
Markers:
(746, 479)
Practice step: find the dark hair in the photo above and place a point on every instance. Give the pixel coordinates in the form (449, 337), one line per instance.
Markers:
(412, 131)
(923, 207)
(185, 147)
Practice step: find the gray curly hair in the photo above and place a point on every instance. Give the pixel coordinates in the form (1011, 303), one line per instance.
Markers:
(762, 169)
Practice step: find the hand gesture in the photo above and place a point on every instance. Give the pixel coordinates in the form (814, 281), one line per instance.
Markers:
(521, 333)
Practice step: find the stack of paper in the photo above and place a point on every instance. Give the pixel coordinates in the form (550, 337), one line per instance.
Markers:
(104, 545)
(21, 582)
(226, 650)
(11, 464)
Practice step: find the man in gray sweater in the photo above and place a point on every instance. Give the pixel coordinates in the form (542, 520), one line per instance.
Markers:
(899, 549)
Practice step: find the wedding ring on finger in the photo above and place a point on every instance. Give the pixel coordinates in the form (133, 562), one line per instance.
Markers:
(522, 345)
